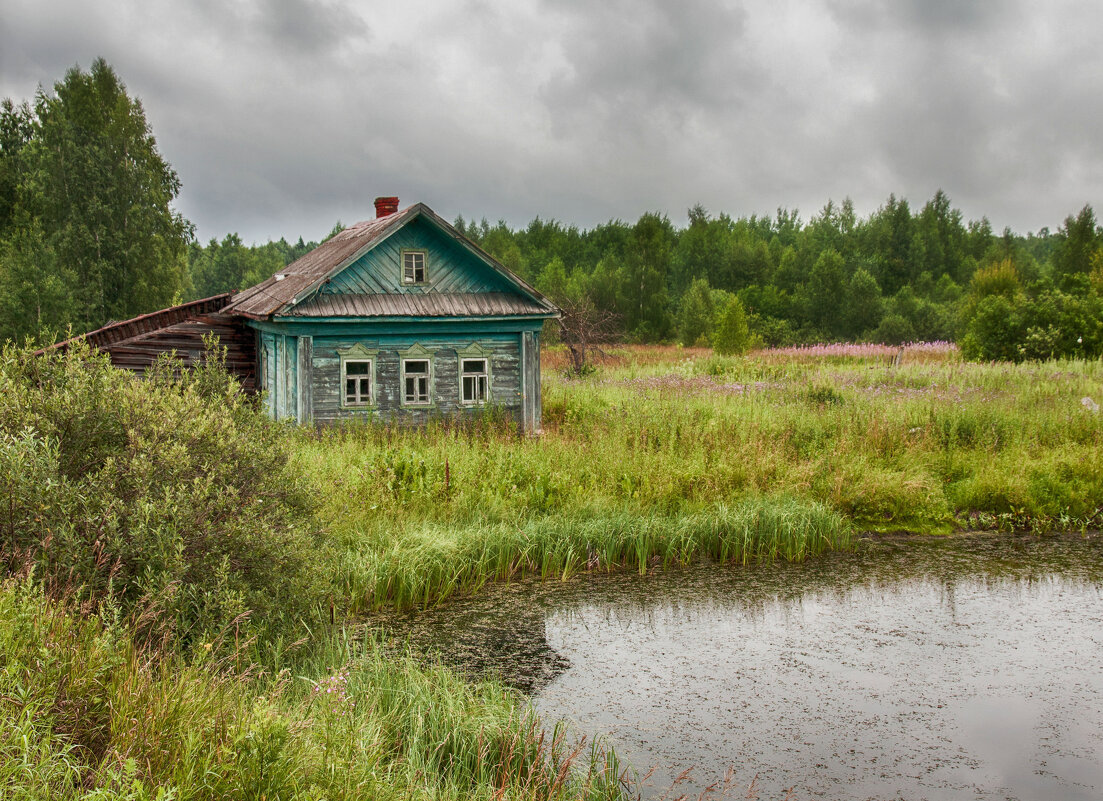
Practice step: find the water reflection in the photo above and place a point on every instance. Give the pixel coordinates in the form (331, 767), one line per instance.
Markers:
(960, 668)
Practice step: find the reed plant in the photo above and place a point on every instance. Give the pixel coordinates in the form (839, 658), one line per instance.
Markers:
(423, 564)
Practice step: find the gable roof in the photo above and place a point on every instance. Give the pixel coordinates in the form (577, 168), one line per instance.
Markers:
(293, 291)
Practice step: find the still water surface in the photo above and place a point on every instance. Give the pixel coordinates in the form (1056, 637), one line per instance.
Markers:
(963, 668)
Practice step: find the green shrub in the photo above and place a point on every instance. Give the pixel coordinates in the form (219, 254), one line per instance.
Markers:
(733, 334)
(170, 492)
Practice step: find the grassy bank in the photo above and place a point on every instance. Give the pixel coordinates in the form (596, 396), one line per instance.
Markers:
(666, 453)
(170, 626)
(193, 561)
(84, 714)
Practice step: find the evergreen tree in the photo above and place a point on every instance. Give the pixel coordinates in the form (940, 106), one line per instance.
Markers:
(733, 335)
(695, 314)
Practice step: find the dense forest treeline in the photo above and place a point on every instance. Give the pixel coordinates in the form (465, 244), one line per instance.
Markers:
(892, 277)
(88, 234)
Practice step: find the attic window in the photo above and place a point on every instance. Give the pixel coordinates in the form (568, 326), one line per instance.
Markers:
(413, 266)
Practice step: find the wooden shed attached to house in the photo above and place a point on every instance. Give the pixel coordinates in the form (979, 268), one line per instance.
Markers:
(399, 319)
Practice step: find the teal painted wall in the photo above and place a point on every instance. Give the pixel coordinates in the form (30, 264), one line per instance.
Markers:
(449, 266)
(269, 369)
(502, 351)
(513, 361)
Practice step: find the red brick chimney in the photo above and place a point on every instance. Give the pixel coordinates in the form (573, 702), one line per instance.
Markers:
(385, 206)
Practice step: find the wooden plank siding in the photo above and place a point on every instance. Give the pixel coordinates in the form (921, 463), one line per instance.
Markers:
(178, 331)
(449, 267)
(269, 369)
(444, 390)
(530, 354)
(305, 363)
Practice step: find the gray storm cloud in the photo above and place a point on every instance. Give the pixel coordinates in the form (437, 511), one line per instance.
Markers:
(282, 117)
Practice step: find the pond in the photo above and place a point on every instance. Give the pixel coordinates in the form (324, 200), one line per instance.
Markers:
(964, 667)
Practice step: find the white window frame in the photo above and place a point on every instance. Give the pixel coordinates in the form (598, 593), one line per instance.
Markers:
(409, 271)
(478, 377)
(361, 400)
(428, 377)
(358, 353)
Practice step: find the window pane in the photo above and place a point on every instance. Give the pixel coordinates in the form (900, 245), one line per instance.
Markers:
(413, 266)
(474, 365)
(468, 388)
(357, 368)
(350, 389)
(418, 366)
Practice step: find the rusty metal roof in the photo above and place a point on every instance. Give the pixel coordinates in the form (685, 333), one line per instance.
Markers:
(430, 304)
(291, 290)
(146, 323)
(136, 344)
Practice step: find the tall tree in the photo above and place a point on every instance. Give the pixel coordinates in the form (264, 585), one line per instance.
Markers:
(824, 294)
(696, 313)
(1077, 241)
(105, 195)
(643, 298)
(16, 132)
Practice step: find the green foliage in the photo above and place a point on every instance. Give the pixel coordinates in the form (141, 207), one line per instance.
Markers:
(89, 205)
(1076, 243)
(642, 299)
(733, 334)
(1005, 321)
(170, 493)
(37, 290)
(893, 330)
(553, 280)
(864, 305)
(85, 716)
(229, 264)
(696, 314)
(824, 293)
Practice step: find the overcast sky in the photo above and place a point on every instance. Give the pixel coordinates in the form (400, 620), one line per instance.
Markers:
(282, 117)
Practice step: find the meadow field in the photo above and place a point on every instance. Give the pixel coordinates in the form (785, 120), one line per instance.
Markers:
(665, 454)
(184, 579)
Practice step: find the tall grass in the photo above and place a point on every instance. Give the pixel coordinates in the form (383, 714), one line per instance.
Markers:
(661, 441)
(86, 715)
(659, 456)
(422, 564)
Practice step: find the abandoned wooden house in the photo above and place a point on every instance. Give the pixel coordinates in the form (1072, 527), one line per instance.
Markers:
(399, 319)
